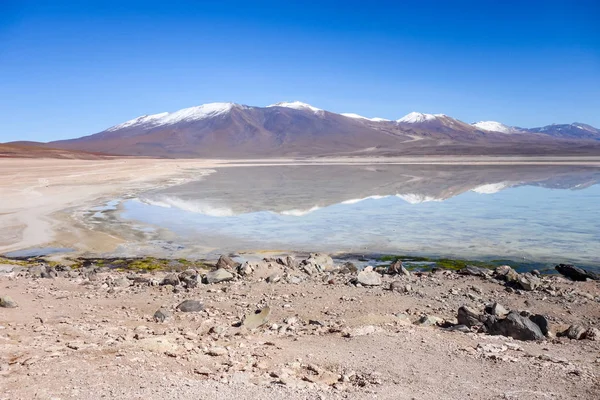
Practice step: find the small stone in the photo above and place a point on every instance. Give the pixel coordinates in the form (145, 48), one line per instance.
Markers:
(218, 276)
(161, 315)
(257, 318)
(170, 279)
(593, 334)
(273, 278)
(7, 302)
(496, 309)
(190, 306)
(217, 351)
(368, 278)
(576, 332)
(361, 331)
(227, 263)
(430, 320)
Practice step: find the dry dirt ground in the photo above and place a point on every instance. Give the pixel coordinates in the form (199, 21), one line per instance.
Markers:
(92, 335)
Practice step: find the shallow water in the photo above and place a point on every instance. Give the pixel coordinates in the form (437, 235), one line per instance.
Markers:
(529, 213)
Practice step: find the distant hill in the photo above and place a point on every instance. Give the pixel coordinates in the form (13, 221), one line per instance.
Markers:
(299, 129)
(39, 150)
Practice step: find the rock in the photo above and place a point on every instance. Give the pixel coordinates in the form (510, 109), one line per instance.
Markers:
(218, 276)
(348, 268)
(506, 273)
(257, 318)
(189, 278)
(42, 271)
(273, 278)
(217, 351)
(361, 331)
(190, 306)
(474, 271)
(430, 320)
(226, 263)
(170, 279)
(496, 309)
(593, 334)
(121, 282)
(245, 269)
(576, 273)
(514, 325)
(398, 268)
(288, 261)
(7, 302)
(158, 344)
(468, 317)
(575, 332)
(540, 321)
(321, 262)
(528, 282)
(161, 315)
(368, 278)
(458, 328)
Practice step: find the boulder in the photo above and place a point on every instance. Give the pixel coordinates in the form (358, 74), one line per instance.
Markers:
(514, 325)
(496, 309)
(542, 322)
(170, 279)
(189, 278)
(227, 263)
(218, 276)
(575, 332)
(368, 277)
(121, 282)
(575, 273)
(505, 273)
(257, 318)
(7, 302)
(528, 282)
(190, 306)
(469, 317)
(474, 271)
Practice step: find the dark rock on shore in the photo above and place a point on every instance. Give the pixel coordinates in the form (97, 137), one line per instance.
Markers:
(170, 279)
(576, 273)
(514, 325)
(474, 271)
(398, 268)
(161, 315)
(227, 263)
(468, 317)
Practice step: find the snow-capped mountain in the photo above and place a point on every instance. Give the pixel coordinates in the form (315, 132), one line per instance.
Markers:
(494, 126)
(417, 118)
(299, 129)
(575, 130)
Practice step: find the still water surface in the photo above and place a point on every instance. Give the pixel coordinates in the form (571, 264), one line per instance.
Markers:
(530, 213)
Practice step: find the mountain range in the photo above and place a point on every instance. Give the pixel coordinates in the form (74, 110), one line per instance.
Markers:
(299, 129)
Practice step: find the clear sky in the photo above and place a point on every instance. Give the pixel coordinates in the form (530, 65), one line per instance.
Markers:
(72, 68)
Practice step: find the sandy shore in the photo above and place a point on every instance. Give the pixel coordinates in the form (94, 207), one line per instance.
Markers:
(39, 196)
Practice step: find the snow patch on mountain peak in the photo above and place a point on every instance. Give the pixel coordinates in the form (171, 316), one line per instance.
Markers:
(493, 126)
(417, 117)
(143, 120)
(356, 116)
(198, 113)
(297, 105)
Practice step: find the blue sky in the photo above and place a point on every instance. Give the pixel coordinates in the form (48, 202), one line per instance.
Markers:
(72, 68)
